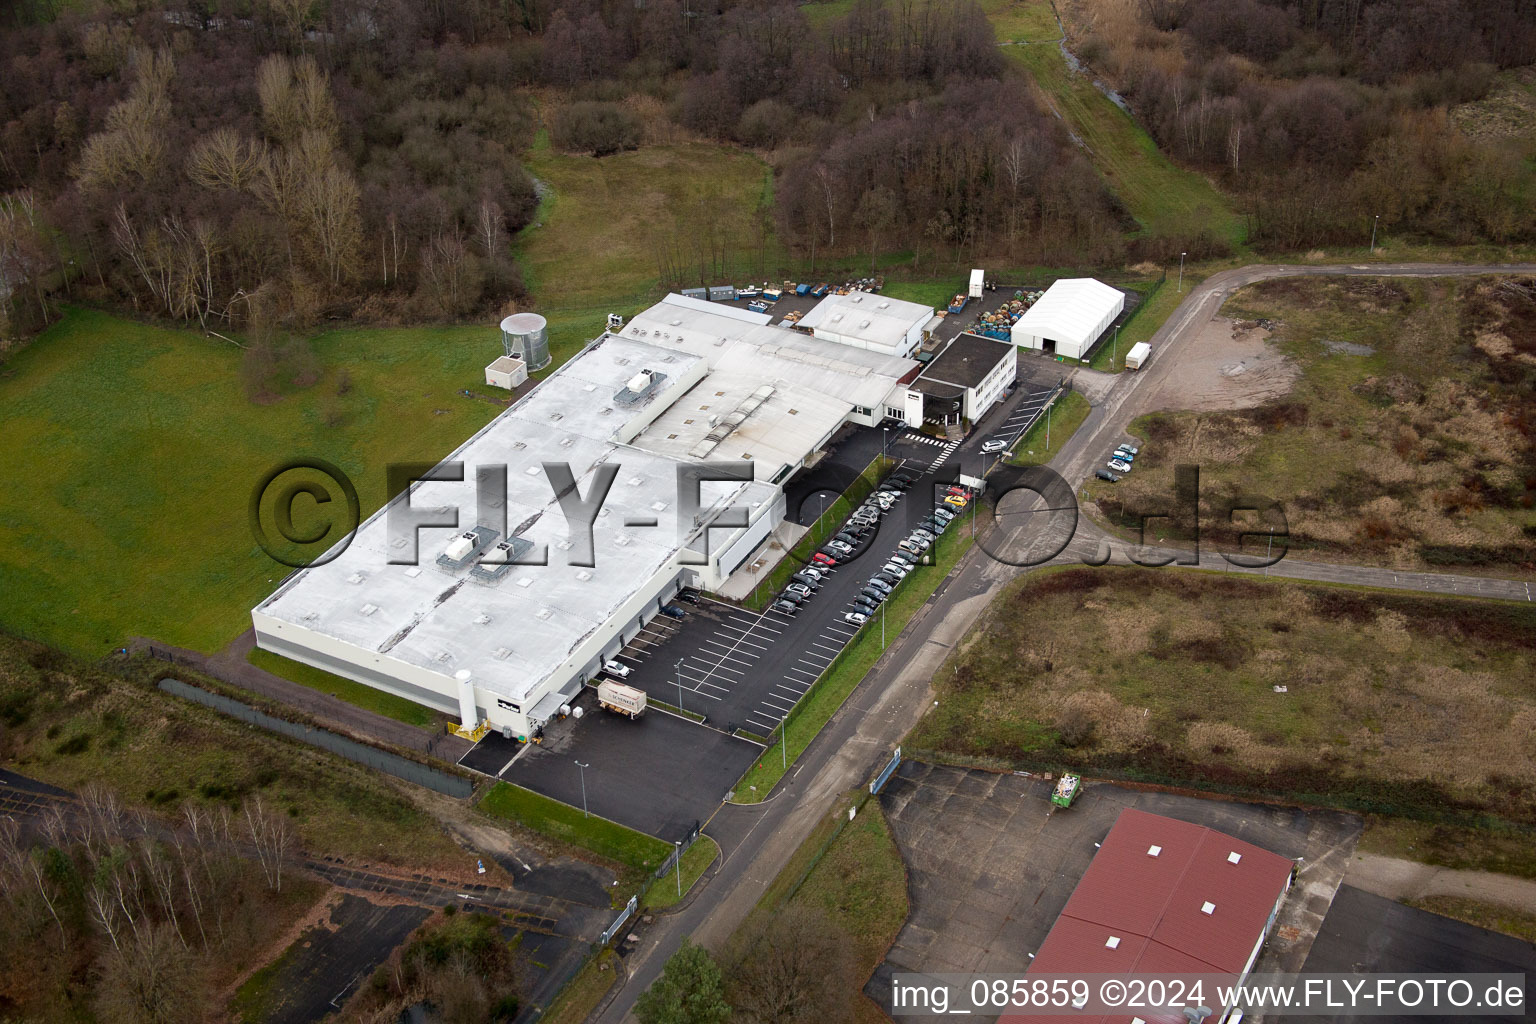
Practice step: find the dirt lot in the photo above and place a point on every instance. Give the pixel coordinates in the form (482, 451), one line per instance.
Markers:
(1395, 422)
(1231, 365)
(1398, 704)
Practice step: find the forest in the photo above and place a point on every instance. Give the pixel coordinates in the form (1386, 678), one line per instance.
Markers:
(1323, 115)
(240, 164)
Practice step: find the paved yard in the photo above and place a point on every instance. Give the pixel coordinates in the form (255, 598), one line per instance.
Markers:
(1368, 934)
(990, 862)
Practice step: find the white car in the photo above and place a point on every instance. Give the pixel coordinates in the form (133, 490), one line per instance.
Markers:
(617, 668)
(896, 567)
(855, 618)
(994, 446)
(1119, 466)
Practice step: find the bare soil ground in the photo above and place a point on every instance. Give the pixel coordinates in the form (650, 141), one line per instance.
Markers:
(1396, 704)
(1231, 365)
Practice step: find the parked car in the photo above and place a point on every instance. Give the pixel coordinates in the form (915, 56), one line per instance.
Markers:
(1130, 448)
(881, 585)
(838, 547)
(804, 578)
(955, 501)
(917, 547)
(672, 611)
(905, 476)
(688, 594)
(933, 524)
(1119, 466)
(872, 594)
(785, 607)
(617, 669)
(961, 491)
(927, 535)
(899, 568)
(864, 606)
(940, 512)
(994, 446)
(1105, 474)
(847, 538)
(823, 559)
(855, 618)
(889, 578)
(897, 482)
(1123, 456)
(903, 557)
(793, 596)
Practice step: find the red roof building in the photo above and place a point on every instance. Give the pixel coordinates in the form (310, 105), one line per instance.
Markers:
(1164, 896)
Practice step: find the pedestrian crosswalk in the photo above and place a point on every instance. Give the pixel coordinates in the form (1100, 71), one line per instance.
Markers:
(912, 438)
(944, 453)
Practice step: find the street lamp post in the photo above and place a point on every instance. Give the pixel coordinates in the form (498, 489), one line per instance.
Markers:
(1181, 271)
(1114, 351)
(679, 844)
(679, 684)
(1374, 221)
(583, 768)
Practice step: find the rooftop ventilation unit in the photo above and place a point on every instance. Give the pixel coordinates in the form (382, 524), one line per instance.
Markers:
(1153, 851)
(639, 387)
(584, 575)
(465, 548)
(1113, 942)
(1234, 857)
(501, 653)
(1207, 908)
(543, 613)
(369, 609)
(498, 561)
(482, 619)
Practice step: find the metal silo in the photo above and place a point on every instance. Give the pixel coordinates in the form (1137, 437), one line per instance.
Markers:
(526, 336)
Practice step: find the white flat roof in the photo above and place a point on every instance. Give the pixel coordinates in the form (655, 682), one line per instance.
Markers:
(868, 316)
(1071, 310)
(514, 633)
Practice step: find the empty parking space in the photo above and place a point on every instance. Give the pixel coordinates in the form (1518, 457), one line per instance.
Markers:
(657, 774)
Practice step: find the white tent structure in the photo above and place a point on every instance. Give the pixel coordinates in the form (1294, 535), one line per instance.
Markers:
(1069, 317)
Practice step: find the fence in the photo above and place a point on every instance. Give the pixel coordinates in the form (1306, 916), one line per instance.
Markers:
(618, 922)
(361, 753)
(885, 773)
(677, 851)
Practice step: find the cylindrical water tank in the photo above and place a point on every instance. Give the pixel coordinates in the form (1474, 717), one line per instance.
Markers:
(526, 336)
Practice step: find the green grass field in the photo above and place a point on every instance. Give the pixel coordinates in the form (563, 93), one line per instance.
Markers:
(387, 704)
(1065, 417)
(567, 824)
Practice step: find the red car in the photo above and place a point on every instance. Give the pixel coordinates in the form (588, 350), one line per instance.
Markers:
(960, 491)
(822, 559)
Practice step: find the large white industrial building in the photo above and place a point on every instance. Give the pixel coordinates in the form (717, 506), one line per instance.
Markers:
(462, 629)
(892, 327)
(1071, 315)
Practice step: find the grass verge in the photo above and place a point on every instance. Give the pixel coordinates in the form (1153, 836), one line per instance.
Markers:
(1066, 416)
(1506, 851)
(567, 824)
(581, 995)
(696, 860)
(845, 673)
(366, 697)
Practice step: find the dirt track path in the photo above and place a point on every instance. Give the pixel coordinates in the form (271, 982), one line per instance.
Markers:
(1408, 880)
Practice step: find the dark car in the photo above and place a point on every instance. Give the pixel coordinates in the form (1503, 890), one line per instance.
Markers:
(847, 538)
(785, 607)
(865, 605)
(1104, 474)
(873, 595)
(890, 579)
(902, 556)
(688, 594)
(791, 597)
(672, 611)
(808, 580)
(880, 585)
(932, 525)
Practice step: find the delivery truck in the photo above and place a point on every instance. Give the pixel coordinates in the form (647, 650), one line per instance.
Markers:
(625, 700)
(1139, 355)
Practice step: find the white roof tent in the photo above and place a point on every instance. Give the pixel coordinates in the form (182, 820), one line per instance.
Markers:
(870, 321)
(1071, 315)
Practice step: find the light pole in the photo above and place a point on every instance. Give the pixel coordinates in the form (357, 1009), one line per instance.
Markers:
(885, 437)
(679, 844)
(1374, 221)
(1114, 351)
(822, 497)
(679, 684)
(1181, 271)
(583, 768)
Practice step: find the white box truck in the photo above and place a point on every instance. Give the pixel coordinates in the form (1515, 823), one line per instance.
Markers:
(978, 283)
(615, 696)
(1139, 355)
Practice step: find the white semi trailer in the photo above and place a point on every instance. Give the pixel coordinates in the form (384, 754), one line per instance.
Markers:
(625, 700)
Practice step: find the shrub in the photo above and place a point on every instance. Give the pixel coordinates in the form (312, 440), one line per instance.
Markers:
(596, 128)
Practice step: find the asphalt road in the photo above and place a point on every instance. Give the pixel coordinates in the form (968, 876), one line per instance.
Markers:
(757, 840)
